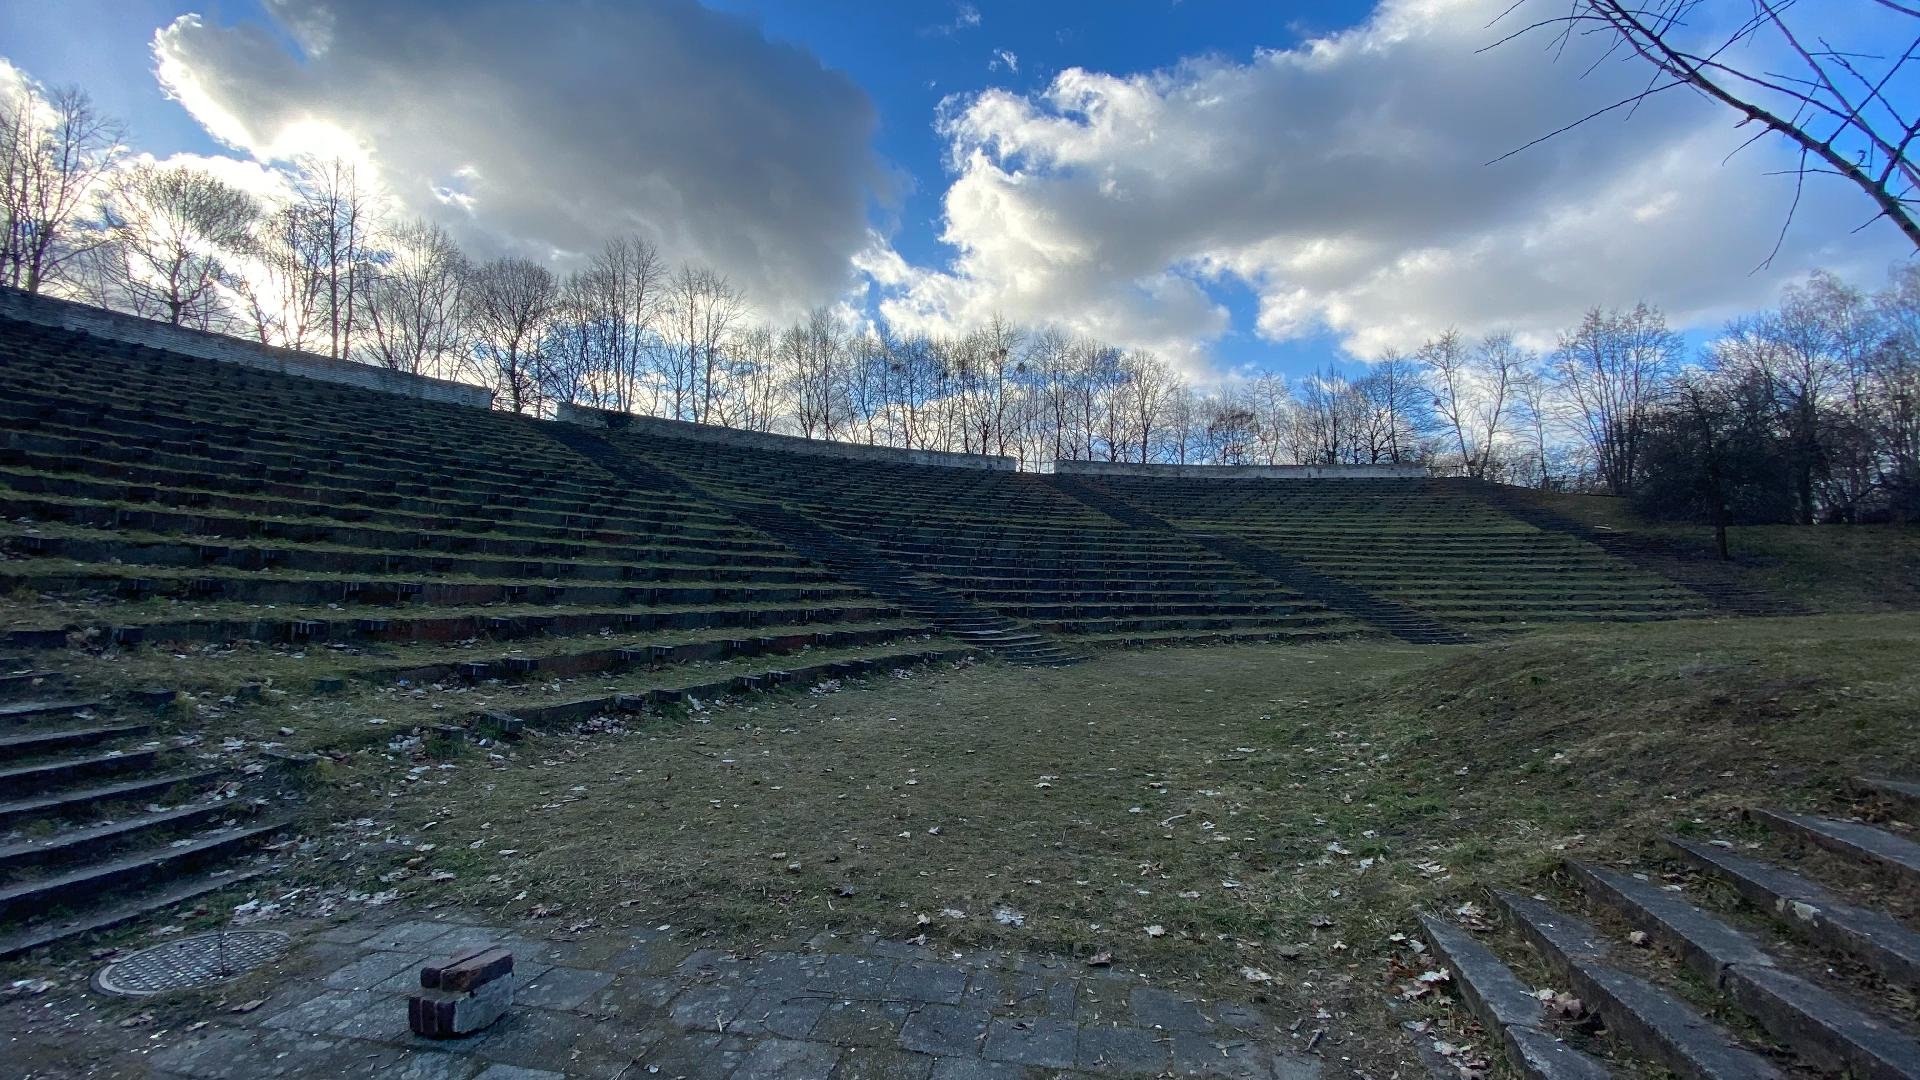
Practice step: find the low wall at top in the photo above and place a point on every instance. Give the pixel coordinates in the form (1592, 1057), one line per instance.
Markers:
(762, 440)
(1243, 472)
(48, 311)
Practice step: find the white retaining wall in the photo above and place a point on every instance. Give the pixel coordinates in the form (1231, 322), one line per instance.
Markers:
(761, 440)
(1243, 472)
(48, 311)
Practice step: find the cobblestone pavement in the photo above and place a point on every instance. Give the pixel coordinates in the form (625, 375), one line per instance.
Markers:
(648, 1004)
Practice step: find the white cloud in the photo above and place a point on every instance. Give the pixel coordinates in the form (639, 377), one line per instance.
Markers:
(1004, 58)
(1345, 182)
(545, 129)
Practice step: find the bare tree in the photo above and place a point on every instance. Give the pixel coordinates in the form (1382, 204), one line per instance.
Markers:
(1473, 389)
(814, 354)
(1842, 109)
(509, 301)
(337, 211)
(699, 314)
(176, 232)
(1611, 370)
(1801, 356)
(54, 150)
(415, 315)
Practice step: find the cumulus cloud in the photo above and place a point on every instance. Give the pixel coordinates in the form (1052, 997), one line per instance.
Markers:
(1346, 183)
(543, 129)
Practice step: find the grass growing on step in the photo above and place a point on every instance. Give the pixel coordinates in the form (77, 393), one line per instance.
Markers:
(1281, 809)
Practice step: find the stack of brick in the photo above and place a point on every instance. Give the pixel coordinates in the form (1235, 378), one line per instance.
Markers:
(462, 994)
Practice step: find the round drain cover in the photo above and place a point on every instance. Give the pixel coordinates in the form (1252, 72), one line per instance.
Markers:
(196, 961)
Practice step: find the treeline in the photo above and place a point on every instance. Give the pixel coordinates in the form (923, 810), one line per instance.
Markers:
(1818, 397)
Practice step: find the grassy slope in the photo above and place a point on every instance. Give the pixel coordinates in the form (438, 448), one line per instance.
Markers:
(1826, 567)
(1128, 792)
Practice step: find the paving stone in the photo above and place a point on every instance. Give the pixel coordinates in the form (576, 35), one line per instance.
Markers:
(1038, 1040)
(788, 1059)
(711, 963)
(1030, 995)
(708, 1008)
(1232, 1014)
(869, 1063)
(862, 1023)
(844, 975)
(632, 996)
(384, 1018)
(352, 933)
(375, 968)
(1295, 1067)
(1198, 1054)
(1110, 1048)
(1156, 1008)
(973, 1068)
(941, 984)
(944, 1029)
(648, 957)
(783, 972)
(249, 1054)
(560, 987)
(325, 1010)
(412, 935)
(461, 939)
(579, 1046)
(693, 1056)
(429, 1065)
(1101, 1003)
(515, 1072)
(773, 1013)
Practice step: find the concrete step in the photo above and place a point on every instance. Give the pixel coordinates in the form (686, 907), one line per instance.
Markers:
(1824, 1030)
(1810, 911)
(1650, 1020)
(1894, 857)
(72, 799)
(21, 779)
(173, 893)
(18, 685)
(41, 742)
(24, 711)
(1904, 793)
(1506, 1007)
(30, 897)
(78, 843)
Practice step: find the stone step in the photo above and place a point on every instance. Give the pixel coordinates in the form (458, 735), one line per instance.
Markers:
(1890, 855)
(1874, 938)
(29, 897)
(16, 685)
(24, 711)
(1651, 1021)
(1823, 1029)
(20, 779)
(76, 843)
(1507, 1008)
(40, 742)
(1906, 793)
(173, 893)
(71, 799)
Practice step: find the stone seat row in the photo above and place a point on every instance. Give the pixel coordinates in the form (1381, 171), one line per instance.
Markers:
(261, 540)
(107, 546)
(439, 492)
(129, 625)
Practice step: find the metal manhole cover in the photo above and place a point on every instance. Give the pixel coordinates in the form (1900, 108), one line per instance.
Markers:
(189, 962)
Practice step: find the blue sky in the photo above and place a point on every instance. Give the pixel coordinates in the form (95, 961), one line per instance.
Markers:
(1340, 203)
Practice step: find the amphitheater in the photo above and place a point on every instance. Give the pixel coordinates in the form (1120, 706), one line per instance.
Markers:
(198, 530)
